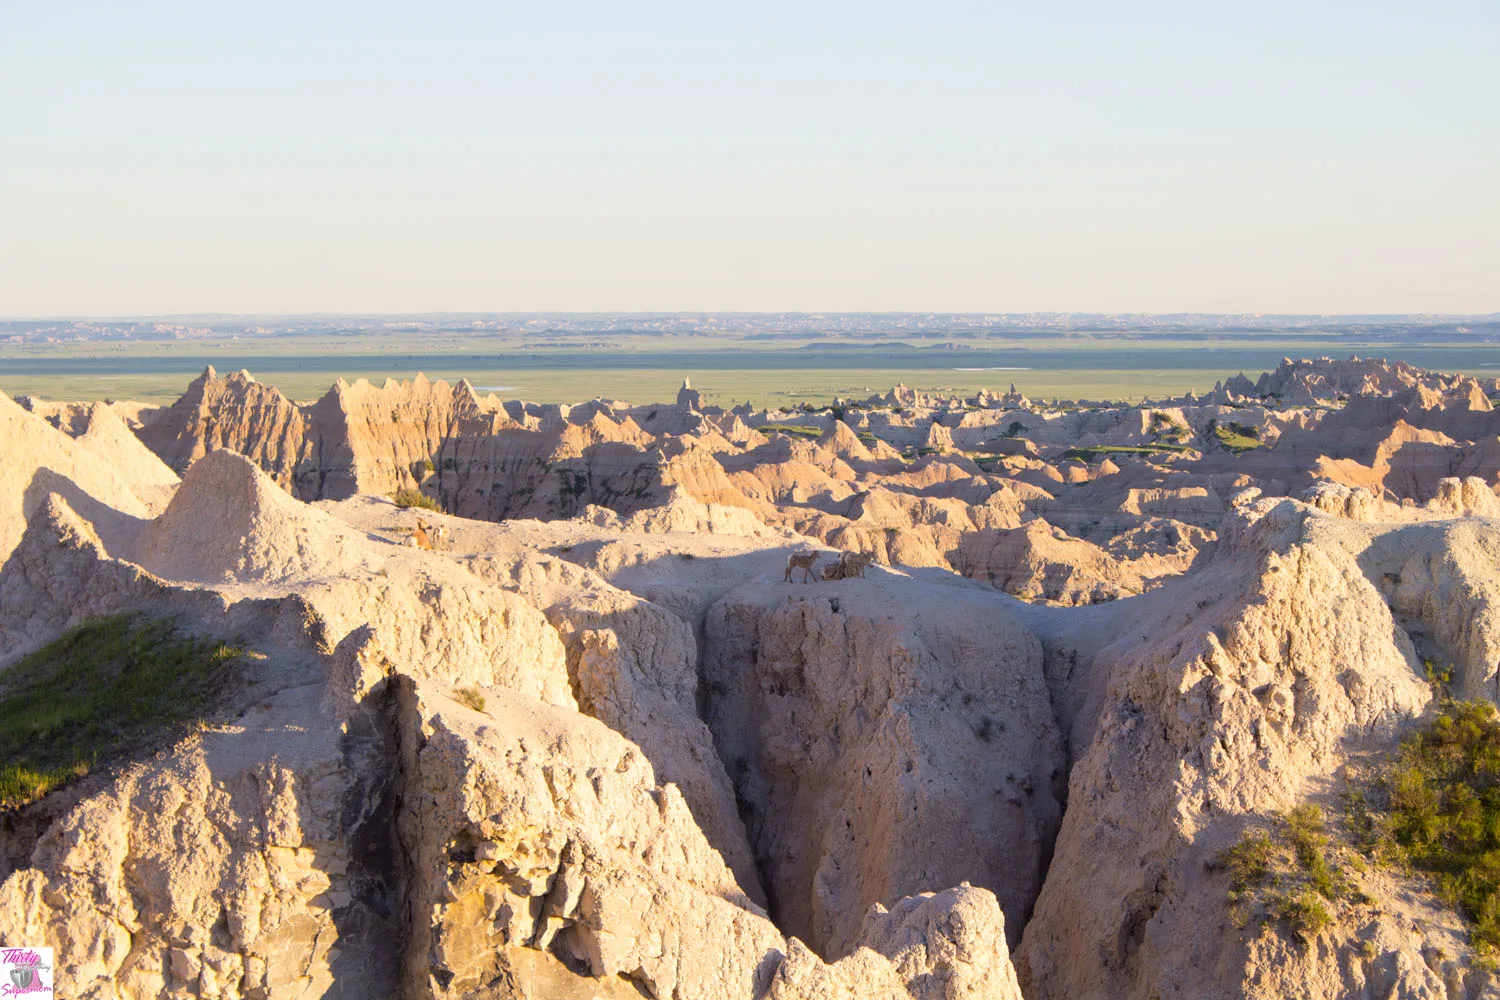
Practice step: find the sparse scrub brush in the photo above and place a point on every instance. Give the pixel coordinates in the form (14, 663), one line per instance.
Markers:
(414, 498)
(1286, 870)
(469, 697)
(1444, 792)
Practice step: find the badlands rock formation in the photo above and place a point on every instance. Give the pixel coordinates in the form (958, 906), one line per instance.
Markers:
(1067, 504)
(594, 746)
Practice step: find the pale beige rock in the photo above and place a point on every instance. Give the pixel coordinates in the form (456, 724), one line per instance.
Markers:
(548, 863)
(860, 723)
(1236, 702)
(41, 460)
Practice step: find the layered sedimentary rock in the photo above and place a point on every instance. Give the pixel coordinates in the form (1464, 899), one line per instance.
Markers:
(914, 479)
(594, 745)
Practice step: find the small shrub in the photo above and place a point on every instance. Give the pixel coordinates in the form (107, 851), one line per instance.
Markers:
(1304, 827)
(1249, 862)
(469, 697)
(1439, 678)
(414, 498)
(1303, 913)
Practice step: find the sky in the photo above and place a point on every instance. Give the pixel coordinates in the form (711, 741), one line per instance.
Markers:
(1078, 155)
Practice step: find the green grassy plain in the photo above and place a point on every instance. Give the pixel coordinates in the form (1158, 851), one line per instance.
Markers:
(727, 369)
(761, 387)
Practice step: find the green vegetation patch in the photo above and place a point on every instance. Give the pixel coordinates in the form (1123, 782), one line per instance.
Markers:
(795, 430)
(986, 463)
(1442, 789)
(414, 498)
(1291, 873)
(1165, 428)
(103, 689)
(1236, 437)
(1096, 452)
(1432, 807)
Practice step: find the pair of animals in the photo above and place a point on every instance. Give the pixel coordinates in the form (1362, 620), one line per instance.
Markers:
(849, 565)
(427, 536)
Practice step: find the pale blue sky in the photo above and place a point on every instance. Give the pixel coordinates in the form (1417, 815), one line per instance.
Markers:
(1281, 157)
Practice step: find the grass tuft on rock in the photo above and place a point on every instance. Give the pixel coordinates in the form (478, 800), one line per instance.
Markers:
(105, 688)
(470, 697)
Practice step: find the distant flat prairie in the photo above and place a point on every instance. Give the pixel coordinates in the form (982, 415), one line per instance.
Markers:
(726, 369)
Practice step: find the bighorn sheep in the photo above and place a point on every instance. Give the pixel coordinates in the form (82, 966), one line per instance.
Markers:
(850, 565)
(855, 563)
(803, 561)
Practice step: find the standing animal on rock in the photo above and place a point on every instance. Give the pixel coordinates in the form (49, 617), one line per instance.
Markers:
(441, 536)
(854, 564)
(850, 565)
(803, 561)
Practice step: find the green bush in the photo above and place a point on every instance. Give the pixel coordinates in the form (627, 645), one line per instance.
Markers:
(1304, 830)
(104, 689)
(414, 498)
(1286, 870)
(1250, 861)
(1302, 912)
(1444, 792)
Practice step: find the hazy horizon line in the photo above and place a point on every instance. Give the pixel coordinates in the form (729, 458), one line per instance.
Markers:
(509, 313)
